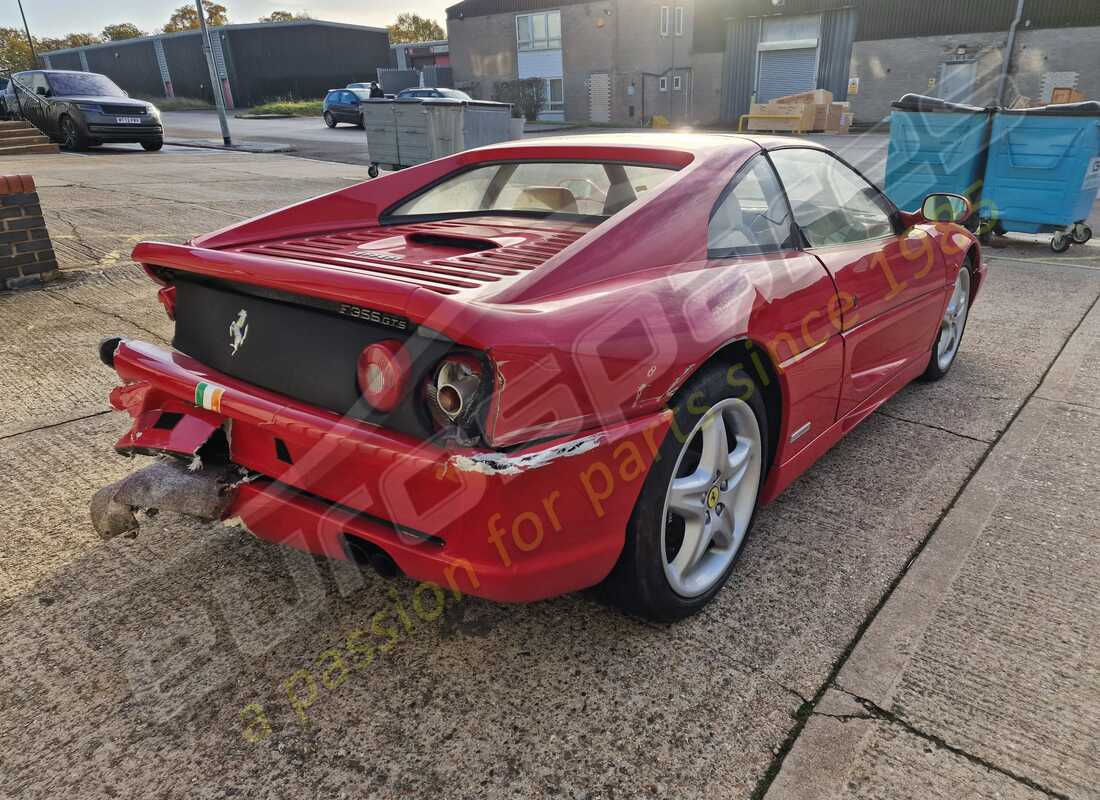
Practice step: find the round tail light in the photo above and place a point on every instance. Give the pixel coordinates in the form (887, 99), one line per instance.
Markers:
(382, 371)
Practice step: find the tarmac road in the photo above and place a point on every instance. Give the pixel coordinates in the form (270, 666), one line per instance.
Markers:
(347, 144)
(916, 617)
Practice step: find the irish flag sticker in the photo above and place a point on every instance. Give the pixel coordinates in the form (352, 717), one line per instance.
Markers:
(209, 397)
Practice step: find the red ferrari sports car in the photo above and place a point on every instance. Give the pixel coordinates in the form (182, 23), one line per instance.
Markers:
(539, 366)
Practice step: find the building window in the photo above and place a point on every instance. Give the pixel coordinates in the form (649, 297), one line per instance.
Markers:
(555, 95)
(676, 83)
(662, 85)
(539, 31)
(679, 20)
(662, 22)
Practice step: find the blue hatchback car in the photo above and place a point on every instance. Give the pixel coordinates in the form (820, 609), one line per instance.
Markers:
(342, 105)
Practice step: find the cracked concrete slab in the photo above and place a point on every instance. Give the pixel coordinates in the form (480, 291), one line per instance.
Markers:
(891, 764)
(149, 660)
(1016, 328)
(125, 666)
(988, 644)
(49, 366)
(821, 556)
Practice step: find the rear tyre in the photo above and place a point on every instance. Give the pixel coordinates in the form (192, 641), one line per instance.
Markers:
(154, 145)
(698, 502)
(952, 326)
(71, 136)
(329, 119)
(372, 170)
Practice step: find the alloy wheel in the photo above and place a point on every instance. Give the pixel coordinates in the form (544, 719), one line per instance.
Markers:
(954, 320)
(710, 500)
(69, 134)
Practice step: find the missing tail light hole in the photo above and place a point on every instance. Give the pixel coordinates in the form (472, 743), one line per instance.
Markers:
(282, 452)
(457, 393)
(167, 420)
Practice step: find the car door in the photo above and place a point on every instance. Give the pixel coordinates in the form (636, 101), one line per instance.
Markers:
(351, 103)
(889, 280)
(343, 106)
(751, 232)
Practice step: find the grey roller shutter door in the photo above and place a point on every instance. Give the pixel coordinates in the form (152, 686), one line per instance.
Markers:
(784, 72)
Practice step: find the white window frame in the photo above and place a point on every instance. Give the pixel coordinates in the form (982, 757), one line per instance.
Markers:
(662, 84)
(663, 21)
(678, 21)
(547, 43)
(677, 84)
(551, 106)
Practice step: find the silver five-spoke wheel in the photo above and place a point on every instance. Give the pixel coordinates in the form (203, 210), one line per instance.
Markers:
(710, 499)
(954, 320)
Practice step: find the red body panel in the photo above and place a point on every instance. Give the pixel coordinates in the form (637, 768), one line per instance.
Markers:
(536, 522)
(590, 331)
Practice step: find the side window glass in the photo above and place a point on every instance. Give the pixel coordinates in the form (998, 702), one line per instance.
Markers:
(753, 217)
(831, 203)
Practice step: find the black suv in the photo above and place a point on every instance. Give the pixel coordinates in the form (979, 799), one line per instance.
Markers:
(80, 109)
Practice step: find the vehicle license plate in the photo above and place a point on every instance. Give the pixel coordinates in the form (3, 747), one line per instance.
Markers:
(128, 120)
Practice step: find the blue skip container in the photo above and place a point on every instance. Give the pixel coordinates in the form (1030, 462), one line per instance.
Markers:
(935, 146)
(1043, 172)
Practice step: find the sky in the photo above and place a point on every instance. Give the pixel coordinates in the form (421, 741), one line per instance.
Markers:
(58, 17)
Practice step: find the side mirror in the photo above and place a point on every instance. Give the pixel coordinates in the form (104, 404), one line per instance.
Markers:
(42, 90)
(946, 208)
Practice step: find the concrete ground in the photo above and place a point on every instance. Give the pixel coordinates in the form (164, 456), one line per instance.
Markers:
(917, 616)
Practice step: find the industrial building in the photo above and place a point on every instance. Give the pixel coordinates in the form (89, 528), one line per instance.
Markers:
(256, 62)
(706, 61)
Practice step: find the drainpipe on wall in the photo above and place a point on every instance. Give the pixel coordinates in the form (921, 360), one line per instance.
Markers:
(1002, 82)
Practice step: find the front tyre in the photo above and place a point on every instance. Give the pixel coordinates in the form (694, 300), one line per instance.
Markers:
(71, 137)
(952, 326)
(698, 502)
(329, 119)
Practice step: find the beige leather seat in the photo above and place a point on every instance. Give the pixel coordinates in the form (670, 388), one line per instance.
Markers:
(546, 198)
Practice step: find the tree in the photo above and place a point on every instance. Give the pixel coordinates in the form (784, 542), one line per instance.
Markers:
(123, 30)
(284, 16)
(186, 18)
(411, 27)
(15, 53)
(63, 42)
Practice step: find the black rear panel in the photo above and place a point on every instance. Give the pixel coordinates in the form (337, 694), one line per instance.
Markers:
(301, 347)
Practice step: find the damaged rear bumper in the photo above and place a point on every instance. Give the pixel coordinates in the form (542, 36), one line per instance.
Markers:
(511, 526)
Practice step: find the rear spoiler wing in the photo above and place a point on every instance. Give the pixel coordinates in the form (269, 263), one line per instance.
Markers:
(345, 287)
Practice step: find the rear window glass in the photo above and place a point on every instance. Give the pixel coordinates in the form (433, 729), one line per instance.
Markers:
(597, 189)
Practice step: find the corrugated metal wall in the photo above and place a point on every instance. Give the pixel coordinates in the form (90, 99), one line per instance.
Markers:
(263, 63)
(133, 67)
(301, 61)
(65, 61)
(837, 30)
(738, 68)
(186, 62)
(897, 19)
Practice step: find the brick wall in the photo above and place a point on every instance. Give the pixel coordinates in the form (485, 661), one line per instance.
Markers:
(26, 254)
